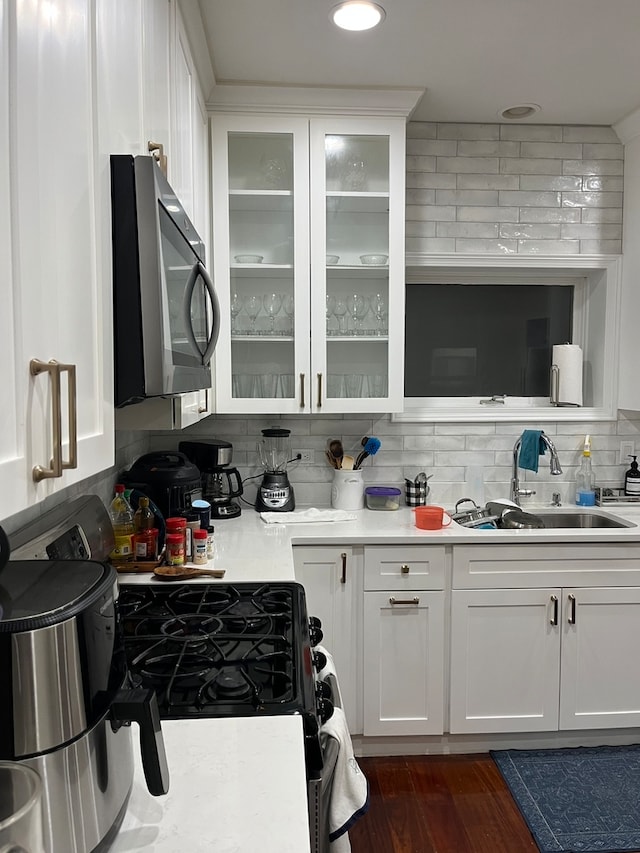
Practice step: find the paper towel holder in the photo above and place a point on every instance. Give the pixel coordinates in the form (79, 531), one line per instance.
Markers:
(554, 388)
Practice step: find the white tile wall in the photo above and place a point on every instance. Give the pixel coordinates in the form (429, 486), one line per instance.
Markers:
(504, 175)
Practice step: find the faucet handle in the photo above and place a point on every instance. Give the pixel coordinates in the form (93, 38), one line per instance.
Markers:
(526, 493)
(555, 499)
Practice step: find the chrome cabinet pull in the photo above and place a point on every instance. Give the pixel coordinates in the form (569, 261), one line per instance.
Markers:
(58, 464)
(571, 619)
(319, 390)
(404, 569)
(554, 618)
(412, 601)
(343, 579)
(302, 403)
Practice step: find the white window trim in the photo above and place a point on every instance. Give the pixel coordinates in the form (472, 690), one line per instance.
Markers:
(526, 269)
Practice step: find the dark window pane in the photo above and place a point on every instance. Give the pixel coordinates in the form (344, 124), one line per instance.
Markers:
(475, 340)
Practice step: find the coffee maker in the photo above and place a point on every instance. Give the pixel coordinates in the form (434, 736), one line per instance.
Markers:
(276, 492)
(220, 482)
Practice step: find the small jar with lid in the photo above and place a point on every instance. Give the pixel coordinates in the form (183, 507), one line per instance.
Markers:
(177, 524)
(200, 547)
(175, 549)
(210, 542)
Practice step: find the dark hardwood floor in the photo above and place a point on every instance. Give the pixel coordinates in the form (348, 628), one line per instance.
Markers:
(439, 804)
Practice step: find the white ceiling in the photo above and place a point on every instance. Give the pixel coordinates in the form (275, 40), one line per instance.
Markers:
(578, 59)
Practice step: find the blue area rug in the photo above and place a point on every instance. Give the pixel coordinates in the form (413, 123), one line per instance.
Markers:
(582, 800)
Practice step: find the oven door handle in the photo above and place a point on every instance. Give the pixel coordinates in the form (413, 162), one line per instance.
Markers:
(141, 706)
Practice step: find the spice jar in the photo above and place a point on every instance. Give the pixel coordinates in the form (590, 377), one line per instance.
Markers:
(210, 543)
(199, 547)
(178, 524)
(145, 544)
(175, 549)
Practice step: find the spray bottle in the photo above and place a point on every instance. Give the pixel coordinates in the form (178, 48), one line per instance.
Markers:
(585, 492)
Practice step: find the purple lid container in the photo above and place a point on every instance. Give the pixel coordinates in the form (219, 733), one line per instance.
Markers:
(382, 491)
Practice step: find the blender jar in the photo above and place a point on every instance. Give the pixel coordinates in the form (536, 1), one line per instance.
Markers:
(274, 450)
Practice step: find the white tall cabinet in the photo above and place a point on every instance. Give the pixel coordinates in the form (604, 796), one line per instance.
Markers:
(309, 234)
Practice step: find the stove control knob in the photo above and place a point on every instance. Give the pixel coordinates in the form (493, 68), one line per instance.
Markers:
(315, 630)
(319, 660)
(323, 691)
(325, 710)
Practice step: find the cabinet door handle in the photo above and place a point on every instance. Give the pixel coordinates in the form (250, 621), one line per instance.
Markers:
(302, 403)
(405, 569)
(412, 601)
(319, 390)
(554, 618)
(72, 404)
(571, 619)
(343, 578)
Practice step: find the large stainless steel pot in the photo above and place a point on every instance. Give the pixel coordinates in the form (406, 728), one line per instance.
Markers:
(66, 711)
(472, 517)
(517, 519)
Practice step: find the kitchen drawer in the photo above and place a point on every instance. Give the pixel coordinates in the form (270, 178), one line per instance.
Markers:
(404, 567)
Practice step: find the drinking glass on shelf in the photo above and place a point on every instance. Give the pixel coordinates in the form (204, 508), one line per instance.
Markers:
(379, 306)
(235, 309)
(272, 303)
(331, 304)
(289, 306)
(252, 306)
(340, 310)
(353, 384)
(358, 306)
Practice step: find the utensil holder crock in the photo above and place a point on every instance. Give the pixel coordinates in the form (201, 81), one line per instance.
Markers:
(347, 490)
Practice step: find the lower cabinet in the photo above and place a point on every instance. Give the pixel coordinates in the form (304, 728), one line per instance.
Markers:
(332, 578)
(404, 640)
(526, 660)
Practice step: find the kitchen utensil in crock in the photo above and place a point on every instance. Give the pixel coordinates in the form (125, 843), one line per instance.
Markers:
(370, 449)
(517, 519)
(177, 573)
(470, 515)
(336, 450)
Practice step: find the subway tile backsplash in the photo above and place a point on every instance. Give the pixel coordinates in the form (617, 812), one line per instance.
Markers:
(510, 175)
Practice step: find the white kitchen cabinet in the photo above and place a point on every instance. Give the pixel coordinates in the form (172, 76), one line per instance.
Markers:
(332, 578)
(301, 207)
(526, 660)
(58, 305)
(404, 640)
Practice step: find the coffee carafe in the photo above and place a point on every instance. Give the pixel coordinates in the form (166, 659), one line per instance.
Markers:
(221, 483)
(275, 493)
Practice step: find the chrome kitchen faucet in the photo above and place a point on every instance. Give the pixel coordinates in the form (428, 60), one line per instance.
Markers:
(554, 466)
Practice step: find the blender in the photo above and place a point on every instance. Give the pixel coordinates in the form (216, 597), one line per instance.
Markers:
(275, 493)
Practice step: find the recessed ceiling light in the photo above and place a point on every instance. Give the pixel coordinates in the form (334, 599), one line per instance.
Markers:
(357, 15)
(519, 111)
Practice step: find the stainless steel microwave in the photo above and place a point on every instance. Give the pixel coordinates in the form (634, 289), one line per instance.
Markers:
(166, 311)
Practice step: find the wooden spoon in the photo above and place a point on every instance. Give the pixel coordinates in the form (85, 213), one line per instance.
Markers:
(337, 451)
(176, 573)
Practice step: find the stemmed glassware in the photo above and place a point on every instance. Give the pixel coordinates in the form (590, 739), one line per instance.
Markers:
(358, 307)
(289, 306)
(272, 303)
(235, 308)
(252, 306)
(331, 304)
(379, 306)
(340, 310)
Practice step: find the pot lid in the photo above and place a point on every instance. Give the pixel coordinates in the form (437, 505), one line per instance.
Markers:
(38, 593)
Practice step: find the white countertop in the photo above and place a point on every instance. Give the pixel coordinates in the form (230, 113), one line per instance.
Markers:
(235, 785)
(239, 784)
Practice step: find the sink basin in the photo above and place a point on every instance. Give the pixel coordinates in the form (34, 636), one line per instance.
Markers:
(581, 519)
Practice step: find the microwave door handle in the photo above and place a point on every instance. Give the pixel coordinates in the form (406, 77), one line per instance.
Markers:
(215, 315)
(199, 270)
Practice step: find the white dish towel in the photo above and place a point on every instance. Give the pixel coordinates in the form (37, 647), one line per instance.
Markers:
(329, 669)
(350, 789)
(307, 516)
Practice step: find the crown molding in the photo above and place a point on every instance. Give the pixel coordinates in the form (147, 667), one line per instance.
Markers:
(250, 98)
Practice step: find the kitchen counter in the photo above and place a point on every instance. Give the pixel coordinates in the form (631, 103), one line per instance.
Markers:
(235, 785)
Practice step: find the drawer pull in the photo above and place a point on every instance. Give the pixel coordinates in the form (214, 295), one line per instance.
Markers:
(343, 579)
(554, 618)
(413, 601)
(571, 619)
(404, 569)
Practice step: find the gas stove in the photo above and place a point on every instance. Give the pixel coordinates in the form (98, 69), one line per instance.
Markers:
(219, 650)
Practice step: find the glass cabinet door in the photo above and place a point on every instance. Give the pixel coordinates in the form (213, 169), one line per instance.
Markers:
(261, 226)
(358, 266)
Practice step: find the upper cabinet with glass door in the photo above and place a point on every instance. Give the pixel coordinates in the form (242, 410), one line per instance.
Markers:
(309, 239)
(357, 272)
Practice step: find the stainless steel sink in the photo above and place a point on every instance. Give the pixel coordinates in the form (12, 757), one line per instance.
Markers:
(581, 519)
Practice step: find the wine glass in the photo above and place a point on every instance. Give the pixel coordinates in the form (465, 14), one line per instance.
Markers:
(235, 309)
(252, 306)
(272, 303)
(331, 304)
(289, 306)
(340, 309)
(378, 306)
(357, 306)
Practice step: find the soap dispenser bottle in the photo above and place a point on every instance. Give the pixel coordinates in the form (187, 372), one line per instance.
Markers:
(632, 480)
(585, 492)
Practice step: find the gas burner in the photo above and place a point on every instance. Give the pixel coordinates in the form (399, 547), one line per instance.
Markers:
(230, 683)
(188, 669)
(191, 627)
(246, 617)
(275, 601)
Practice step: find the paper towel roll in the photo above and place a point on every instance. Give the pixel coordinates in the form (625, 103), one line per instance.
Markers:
(566, 375)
